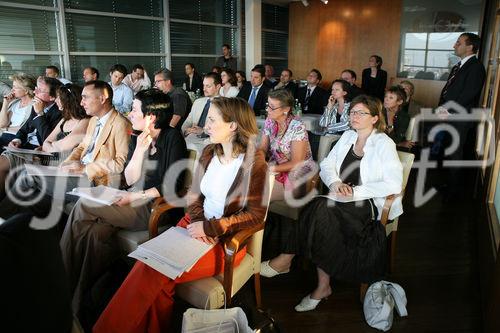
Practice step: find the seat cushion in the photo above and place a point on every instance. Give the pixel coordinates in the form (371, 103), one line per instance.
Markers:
(197, 292)
(130, 240)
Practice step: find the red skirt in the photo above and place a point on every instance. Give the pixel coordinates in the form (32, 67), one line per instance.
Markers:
(144, 302)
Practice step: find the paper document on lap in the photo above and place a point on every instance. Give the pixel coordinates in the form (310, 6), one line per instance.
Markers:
(172, 252)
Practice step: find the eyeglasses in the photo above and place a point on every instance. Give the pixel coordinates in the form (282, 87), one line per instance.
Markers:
(269, 107)
(358, 113)
(158, 81)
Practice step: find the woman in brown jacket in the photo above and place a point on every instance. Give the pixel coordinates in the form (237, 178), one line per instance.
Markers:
(226, 196)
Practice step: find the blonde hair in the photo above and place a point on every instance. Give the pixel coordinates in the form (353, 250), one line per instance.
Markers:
(28, 82)
(237, 110)
(374, 105)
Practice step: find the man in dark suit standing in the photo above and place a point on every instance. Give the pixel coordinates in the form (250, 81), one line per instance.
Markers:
(312, 97)
(256, 92)
(464, 86)
(286, 82)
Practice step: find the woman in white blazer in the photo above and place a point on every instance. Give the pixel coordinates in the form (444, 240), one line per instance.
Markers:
(341, 233)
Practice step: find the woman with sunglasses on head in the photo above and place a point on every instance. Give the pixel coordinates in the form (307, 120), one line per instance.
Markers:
(72, 127)
(285, 141)
(341, 234)
(226, 196)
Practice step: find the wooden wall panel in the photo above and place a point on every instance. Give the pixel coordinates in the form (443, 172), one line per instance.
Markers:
(343, 34)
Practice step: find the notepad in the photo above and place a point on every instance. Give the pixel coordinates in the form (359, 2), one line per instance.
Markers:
(28, 151)
(52, 171)
(171, 253)
(104, 195)
(338, 198)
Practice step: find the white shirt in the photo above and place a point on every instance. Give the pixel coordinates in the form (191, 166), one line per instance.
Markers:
(216, 183)
(138, 85)
(232, 92)
(19, 114)
(464, 60)
(381, 171)
(103, 120)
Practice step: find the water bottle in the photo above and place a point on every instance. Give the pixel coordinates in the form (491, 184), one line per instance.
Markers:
(197, 94)
(298, 113)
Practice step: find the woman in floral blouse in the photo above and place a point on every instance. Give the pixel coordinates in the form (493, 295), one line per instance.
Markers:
(285, 140)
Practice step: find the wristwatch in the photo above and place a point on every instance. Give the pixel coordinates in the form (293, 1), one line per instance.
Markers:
(389, 127)
(143, 195)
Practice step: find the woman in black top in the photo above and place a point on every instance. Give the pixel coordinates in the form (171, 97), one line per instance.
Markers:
(87, 243)
(374, 78)
(396, 118)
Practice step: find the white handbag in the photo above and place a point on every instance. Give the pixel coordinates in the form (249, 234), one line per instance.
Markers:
(232, 320)
(380, 300)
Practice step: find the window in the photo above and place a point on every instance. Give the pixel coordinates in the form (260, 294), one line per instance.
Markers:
(197, 31)
(275, 37)
(429, 29)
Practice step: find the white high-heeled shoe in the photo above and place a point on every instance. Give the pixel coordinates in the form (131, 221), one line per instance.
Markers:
(267, 271)
(308, 304)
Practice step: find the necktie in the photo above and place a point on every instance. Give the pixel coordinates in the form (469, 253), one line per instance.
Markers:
(253, 95)
(203, 117)
(88, 154)
(306, 100)
(451, 77)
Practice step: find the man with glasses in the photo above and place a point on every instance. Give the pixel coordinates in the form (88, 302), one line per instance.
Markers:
(196, 119)
(44, 115)
(164, 80)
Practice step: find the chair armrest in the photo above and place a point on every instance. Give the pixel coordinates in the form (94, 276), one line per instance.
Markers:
(159, 207)
(231, 247)
(386, 209)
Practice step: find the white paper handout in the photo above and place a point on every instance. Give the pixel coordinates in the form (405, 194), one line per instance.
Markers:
(172, 252)
(27, 151)
(338, 198)
(101, 194)
(52, 171)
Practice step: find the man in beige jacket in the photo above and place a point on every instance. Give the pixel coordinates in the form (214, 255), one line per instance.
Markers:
(103, 152)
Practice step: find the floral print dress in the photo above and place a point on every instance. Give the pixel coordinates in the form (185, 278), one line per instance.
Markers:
(280, 147)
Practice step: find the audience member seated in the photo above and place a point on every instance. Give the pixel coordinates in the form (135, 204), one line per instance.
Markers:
(193, 81)
(425, 75)
(137, 80)
(335, 119)
(286, 82)
(231, 162)
(122, 94)
(5, 89)
(216, 69)
(312, 97)
(374, 78)
(226, 60)
(410, 106)
(345, 239)
(16, 107)
(397, 120)
(269, 80)
(71, 129)
(241, 79)
(285, 141)
(164, 80)
(33, 278)
(256, 92)
(229, 88)
(90, 74)
(87, 243)
(43, 118)
(350, 76)
(67, 134)
(196, 120)
(99, 158)
(53, 72)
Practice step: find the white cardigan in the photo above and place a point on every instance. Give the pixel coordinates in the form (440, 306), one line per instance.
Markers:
(381, 171)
